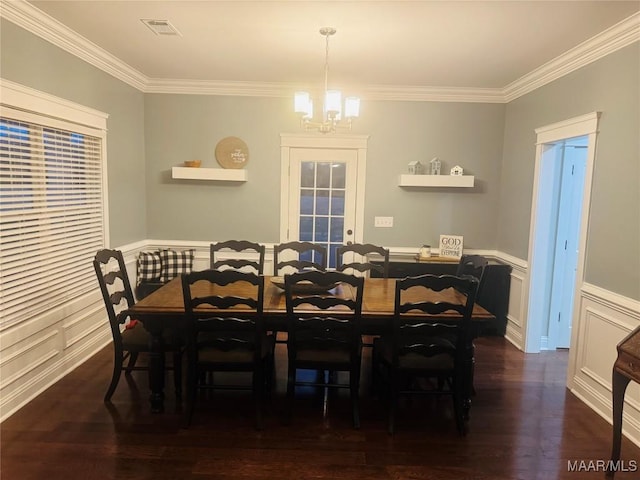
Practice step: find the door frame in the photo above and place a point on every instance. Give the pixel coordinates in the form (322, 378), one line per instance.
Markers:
(584, 125)
(290, 141)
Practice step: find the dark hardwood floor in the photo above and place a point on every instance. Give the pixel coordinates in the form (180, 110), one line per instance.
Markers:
(524, 425)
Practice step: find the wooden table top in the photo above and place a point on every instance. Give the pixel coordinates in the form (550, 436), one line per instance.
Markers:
(378, 300)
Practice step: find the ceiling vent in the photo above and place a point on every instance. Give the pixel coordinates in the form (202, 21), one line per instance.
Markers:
(161, 27)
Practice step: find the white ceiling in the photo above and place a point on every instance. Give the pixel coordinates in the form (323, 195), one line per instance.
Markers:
(378, 44)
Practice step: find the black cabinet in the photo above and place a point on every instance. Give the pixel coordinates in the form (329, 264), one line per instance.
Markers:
(493, 294)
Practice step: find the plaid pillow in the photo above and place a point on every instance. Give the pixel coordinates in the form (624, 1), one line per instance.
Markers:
(175, 263)
(149, 267)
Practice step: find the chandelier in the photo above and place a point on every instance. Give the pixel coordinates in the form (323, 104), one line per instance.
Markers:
(332, 111)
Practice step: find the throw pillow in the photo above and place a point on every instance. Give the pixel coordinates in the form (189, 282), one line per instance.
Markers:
(175, 263)
(149, 267)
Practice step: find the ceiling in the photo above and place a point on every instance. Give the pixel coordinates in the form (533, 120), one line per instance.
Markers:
(379, 45)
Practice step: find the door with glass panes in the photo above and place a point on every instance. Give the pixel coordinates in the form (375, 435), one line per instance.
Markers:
(322, 197)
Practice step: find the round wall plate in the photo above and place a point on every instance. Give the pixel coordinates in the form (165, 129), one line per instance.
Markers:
(232, 152)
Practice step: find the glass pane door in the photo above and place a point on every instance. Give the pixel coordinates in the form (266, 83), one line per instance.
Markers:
(323, 197)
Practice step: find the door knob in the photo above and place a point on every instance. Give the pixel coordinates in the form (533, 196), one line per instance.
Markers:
(349, 232)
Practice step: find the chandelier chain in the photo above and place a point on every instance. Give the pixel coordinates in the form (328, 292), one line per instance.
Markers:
(326, 64)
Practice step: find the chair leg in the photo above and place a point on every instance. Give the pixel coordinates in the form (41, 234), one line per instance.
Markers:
(192, 389)
(354, 380)
(133, 356)
(258, 394)
(473, 365)
(393, 399)
(458, 407)
(375, 374)
(177, 373)
(115, 376)
(291, 380)
(270, 369)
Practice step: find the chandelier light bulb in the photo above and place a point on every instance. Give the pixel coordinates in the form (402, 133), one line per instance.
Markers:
(333, 103)
(351, 107)
(301, 102)
(332, 108)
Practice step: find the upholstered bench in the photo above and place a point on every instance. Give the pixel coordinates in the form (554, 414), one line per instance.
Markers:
(157, 267)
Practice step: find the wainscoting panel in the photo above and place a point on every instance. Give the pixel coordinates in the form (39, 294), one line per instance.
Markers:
(604, 320)
(515, 323)
(38, 352)
(517, 299)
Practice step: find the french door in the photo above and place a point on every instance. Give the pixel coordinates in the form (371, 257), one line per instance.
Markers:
(323, 194)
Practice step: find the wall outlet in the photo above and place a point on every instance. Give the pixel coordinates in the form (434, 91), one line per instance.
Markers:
(384, 222)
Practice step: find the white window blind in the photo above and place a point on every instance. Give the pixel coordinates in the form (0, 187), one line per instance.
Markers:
(51, 212)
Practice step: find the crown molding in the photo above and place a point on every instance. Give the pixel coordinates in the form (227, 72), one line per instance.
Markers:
(37, 22)
(375, 92)
(205, 87)
(614, 38)
(433, 94)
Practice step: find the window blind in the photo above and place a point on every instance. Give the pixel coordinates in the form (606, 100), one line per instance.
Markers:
(51, 213)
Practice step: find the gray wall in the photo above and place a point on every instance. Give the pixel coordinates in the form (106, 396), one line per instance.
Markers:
(148, 134)
(35, 63)
(465, 134)
(611, 86)
(188, 127)
(184, 127)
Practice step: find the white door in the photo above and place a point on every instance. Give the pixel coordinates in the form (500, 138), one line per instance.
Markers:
(324, 194)
(568, 232)
(323, 197)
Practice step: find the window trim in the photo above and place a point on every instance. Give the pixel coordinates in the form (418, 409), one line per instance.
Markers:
(19, 101)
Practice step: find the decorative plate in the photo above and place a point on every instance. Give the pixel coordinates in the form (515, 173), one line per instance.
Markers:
(304, 287)
(232, 152)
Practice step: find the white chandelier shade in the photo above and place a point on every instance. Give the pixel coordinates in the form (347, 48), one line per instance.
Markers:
(332, 112)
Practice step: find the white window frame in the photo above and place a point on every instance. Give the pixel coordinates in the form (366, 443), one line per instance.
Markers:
(27, 104)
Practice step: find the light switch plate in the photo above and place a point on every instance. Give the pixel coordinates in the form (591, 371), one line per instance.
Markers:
(384, 222)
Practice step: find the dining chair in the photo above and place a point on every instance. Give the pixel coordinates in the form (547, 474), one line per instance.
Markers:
(323, 326)
(422, 344)
(363, 250)
(307, 255)
(474, 265)
(129, 337)
(249, 251)
(226, 333)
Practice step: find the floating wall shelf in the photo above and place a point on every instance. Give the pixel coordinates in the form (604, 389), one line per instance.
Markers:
(223, 174)
(436, 181)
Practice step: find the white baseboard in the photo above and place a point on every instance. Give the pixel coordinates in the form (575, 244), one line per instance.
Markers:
(34, 385)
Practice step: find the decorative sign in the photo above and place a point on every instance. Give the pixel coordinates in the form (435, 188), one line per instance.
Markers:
(232, 152)
(451, 246)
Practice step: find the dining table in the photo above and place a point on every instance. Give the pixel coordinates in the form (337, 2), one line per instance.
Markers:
(163, 310)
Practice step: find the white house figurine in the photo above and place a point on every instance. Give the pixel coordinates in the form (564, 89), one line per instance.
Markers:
(435, 166)
(457, 170)
(415, 168)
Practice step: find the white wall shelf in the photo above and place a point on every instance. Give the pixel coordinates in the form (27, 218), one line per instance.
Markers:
(222, 174)
(436, 181)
